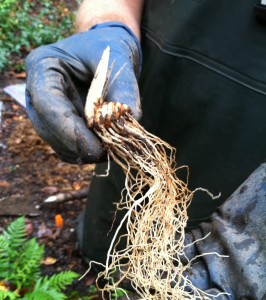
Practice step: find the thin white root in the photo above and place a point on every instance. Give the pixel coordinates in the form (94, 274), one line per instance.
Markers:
(156, 215)
(155, 201)
(106, 172)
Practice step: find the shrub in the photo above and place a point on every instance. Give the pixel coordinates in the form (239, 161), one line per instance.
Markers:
(26, 24)
(20, 268)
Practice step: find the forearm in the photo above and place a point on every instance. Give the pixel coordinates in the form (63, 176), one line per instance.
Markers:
(93, 12)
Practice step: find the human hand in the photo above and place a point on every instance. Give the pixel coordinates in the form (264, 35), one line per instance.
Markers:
(58, 79)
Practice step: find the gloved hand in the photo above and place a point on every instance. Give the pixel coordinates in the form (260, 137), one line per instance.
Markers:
(238, 230)
(58, 79)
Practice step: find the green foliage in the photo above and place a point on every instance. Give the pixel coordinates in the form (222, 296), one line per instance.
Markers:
(119, 293)
(20, 271)
(26, 24)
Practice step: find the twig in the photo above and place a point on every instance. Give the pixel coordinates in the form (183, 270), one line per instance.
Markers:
(63, 197)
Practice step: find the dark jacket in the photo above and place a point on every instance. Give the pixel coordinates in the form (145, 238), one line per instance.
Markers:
(203, 89)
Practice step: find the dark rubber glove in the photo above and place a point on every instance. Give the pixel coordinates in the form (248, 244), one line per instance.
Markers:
(238, 230)
(58, 79)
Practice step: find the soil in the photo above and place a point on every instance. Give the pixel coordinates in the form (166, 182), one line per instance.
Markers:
(30, 172)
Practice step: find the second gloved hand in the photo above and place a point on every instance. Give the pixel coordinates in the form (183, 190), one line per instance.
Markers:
(58, 79)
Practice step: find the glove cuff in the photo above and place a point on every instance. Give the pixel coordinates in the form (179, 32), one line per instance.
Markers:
(131, 33)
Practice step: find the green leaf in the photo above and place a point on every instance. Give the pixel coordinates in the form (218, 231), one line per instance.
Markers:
(11, 242)
(15, 233)
(59, 281)
(28, 265)
(7, 295)
(20, 266)
(43, 294)
(25, 26)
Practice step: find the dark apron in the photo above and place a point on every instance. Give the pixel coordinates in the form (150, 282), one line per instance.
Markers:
(203, 89)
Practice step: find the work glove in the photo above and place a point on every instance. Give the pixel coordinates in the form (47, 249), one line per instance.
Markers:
(58, 79)
(228, 254)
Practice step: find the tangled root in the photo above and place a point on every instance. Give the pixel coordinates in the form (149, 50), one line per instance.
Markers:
(155, 203)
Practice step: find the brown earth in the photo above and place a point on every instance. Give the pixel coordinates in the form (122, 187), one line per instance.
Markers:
(29, 173)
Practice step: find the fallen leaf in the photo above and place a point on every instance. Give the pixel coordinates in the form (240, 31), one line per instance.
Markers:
(29, 228)
(15, 107)
(3, 287)
(7, 99)
(18, 141)
(4, 183)
(50, 190)
(43, 231)
(49, 261)
(49, 181)
(76, 186)
(21, 75)
(17, 118)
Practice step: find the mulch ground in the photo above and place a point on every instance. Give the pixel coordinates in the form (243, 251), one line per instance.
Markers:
(30, 172)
